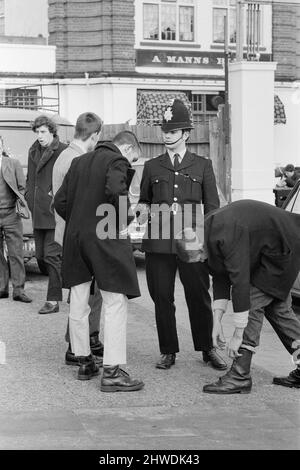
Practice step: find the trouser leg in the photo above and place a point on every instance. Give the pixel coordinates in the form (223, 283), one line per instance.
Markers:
(114, 309)
(161, 272)
(195, 280)
(78, 319)
(12, 226)
(52, 257)
(284, 321)
(4, 273)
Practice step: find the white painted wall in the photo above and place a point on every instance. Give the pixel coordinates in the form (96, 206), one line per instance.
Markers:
(26, 17)
(27, 58)
(251, 94)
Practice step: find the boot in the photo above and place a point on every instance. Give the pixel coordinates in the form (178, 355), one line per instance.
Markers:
(292, 380)
(237, 379)
(166, 361)
(97, 347)
(115, 379)
(88, 368)
(212, 357)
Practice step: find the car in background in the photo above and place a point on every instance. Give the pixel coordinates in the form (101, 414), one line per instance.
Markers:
(15, 128)
(292, 204)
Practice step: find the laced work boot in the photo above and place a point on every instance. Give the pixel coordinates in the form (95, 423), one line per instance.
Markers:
(88, 368)
(115, 379)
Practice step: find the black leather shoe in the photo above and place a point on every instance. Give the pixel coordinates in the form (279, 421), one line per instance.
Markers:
(166, 361)
(49, 308)
(115, 379)
(22, 298)
(88, 368)
(214, 359)
(3, 295)
(72, 360)
(97, 347)
(291, 381)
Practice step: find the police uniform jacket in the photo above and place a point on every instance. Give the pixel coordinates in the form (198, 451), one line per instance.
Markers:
(192, 184)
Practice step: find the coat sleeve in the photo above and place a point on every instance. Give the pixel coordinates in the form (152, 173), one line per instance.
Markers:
(146, 188)
(20, 177)
(210, 196)
(30, 183)
(60, 198)
(117, 185)
(236, 258)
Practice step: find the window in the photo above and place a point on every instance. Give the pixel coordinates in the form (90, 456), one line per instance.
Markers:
(21, 98)
(219, 13)
(168, 20)
(204, 106)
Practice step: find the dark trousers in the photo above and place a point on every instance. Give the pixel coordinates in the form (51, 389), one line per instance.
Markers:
(11, 229)
(50, 252)
(95, 303)
(279, 314)
(161, 272)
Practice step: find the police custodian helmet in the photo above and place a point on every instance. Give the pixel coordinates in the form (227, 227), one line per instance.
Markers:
(176, 116)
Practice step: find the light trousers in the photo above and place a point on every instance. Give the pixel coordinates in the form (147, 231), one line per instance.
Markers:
(114, 311)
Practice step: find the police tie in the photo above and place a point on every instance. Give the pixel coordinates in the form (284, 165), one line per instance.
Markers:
(176, 161)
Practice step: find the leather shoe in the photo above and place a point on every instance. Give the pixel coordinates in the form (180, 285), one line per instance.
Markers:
(22, 298)
(291, 381)
(49, 308)
(97, 347)
(115, 379)
(166, 361)
(214, 359)
(72, 360)
(3, 295)
(88, 368)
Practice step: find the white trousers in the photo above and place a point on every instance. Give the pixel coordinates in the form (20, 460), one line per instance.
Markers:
(114, 311)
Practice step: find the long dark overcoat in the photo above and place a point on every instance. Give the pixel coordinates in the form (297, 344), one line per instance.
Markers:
(38, 193)
(87, 199)
(251, 242)
(192, 184)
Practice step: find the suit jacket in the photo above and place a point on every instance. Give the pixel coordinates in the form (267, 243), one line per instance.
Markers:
(60, 169)
(13, 175)
(251, 242)
(88, 201)
(193, 184)
(38, 192)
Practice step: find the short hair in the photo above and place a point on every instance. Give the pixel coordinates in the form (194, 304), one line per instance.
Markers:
(129, 138)
(289, 167)
(86, 125)
(44, 120)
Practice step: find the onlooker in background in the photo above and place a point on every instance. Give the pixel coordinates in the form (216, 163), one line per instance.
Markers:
(12, 186)
(87, 130)
(41, 158)
(291, 176)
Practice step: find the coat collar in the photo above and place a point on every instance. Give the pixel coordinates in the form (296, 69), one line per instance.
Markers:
(187, 161)
(40, 158)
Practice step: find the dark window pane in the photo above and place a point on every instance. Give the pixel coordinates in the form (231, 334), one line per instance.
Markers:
(168, 22)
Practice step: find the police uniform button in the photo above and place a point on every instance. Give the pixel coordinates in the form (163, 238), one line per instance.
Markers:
(175, 185)
(156, 181)
(176, 173)
(175, 199)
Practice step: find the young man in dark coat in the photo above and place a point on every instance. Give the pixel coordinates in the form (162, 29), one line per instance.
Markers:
(93, 200)
(253, 253)
(41, 158)
(176, 179)
(12, 186)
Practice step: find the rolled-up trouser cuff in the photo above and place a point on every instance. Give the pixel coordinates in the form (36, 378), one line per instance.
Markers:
(250, 348)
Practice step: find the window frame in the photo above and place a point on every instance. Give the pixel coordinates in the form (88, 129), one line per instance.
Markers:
(178, 4)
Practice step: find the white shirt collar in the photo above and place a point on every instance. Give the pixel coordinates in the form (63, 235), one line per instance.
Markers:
(172, 153)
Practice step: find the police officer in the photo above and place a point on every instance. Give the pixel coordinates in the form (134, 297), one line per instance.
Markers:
(170, 182)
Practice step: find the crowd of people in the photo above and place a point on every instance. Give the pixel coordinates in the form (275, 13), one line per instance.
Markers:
(78, 199)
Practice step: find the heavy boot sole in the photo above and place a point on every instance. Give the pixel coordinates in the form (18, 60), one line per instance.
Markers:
(88, 377)
(229, 392)
(209, 363)
(119, 388)
(286, 385)
(71, 363)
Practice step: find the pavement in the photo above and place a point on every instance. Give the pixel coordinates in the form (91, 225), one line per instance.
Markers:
(43, 406)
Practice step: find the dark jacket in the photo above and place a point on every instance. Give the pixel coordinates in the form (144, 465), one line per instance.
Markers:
(89, 194)
(291, 181)
(38, 192)
(193, 183)
(251, 242)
